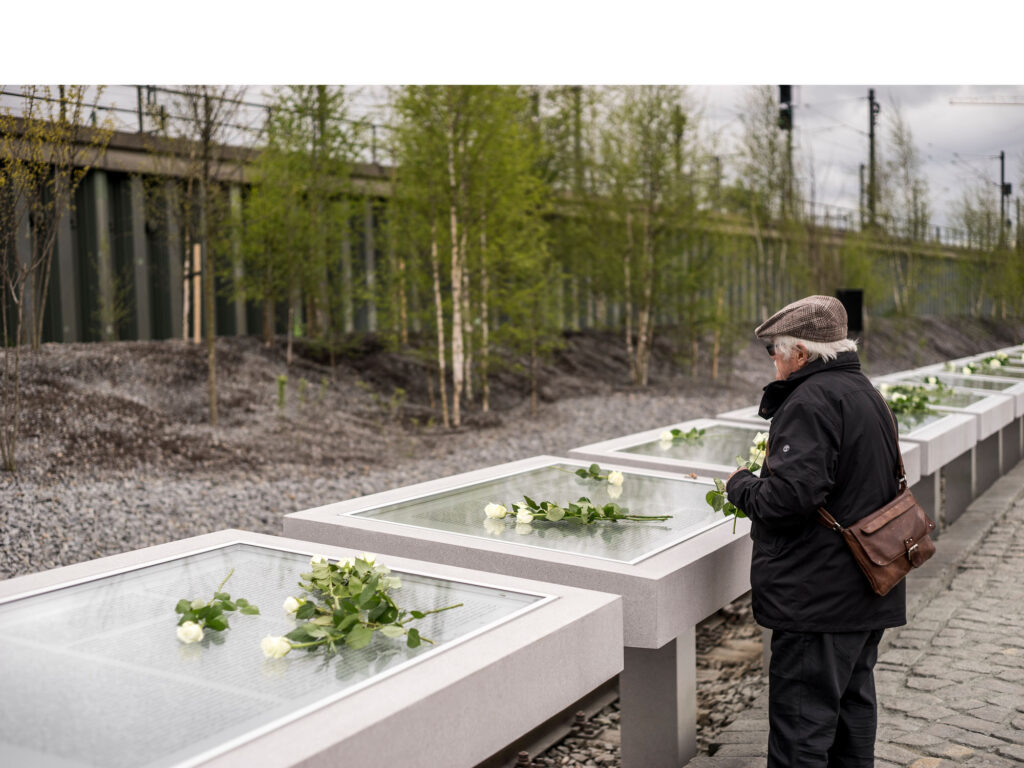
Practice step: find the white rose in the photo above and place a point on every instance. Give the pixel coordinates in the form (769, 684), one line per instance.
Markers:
(885, 388)
(615, 477)
(368, 558)
(614, 491)
(292, 604)
(318, 559)
(275, 647)
(666, 436)
(495, 511)
(966, 370)
(346, 562)
(931, 380)
(898, 397)
(197, 604)
(994, 364)
(190, 632)
(524, 515)
(761, 438)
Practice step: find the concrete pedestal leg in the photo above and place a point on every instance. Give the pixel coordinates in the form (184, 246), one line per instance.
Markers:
(957, 475)
(986, 461)
(1011, 444)
(658, 697)
(926, 491)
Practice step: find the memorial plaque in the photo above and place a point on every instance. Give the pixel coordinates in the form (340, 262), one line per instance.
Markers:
(983, 382)
(461, 510)
(94, 675)
(711, 454)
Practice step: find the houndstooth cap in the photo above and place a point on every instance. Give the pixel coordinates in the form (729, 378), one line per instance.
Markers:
(814, 318)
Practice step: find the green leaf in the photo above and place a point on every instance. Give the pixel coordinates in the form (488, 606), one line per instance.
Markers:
(413, 638)
(299, 634)
(241, 602)
(183, 606)
(306, 611)
(392, 631)
(227, 605)
(417, 614)
(222, 596)
(217, 623)
(359, 637)
(249, 610)
(555, 513)
(530, 502)
(594, 469)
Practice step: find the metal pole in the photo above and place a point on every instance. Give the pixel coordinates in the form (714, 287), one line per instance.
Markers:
(138, 95)
(1002, 198)
(873, 110)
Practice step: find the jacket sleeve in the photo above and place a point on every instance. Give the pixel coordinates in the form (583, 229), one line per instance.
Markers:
(799, 472)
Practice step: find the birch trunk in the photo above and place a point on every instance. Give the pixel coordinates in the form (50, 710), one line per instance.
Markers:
(645, 322)
(485, 331)
(628, 301)
(467, 317)
(439, 305)
(456, 276)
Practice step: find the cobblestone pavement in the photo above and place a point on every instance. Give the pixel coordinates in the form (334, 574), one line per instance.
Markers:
(951, 682)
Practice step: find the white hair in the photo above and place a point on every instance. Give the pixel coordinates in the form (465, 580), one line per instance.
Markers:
(826, 350)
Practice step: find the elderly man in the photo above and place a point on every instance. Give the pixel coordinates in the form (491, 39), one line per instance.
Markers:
(832, 444)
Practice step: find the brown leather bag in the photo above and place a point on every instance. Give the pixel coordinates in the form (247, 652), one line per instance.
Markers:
(891, 540)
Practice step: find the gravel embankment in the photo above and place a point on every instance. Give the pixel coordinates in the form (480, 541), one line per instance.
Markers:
(47, 522)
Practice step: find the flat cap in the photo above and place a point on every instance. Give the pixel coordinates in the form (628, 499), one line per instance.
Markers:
(814, 318)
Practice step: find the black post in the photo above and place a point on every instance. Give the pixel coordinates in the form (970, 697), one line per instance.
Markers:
(873, 110)
(1002, 198)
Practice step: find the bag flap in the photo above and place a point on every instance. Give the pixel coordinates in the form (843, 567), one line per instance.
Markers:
(873, 522)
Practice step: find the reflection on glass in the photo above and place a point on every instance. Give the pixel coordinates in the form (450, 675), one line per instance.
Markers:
(720, 444)
(93, 674)
(955, 398)
(461, 510)
(959, 380)
(910, 421)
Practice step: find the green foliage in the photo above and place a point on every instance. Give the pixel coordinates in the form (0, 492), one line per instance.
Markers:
(282, 385)
(717, 498)
(210, 615)
(676, 435)
(346, 602)
(908, 398)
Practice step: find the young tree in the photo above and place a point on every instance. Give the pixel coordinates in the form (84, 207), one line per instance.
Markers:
(207, 114)
(299, 210)
(466, 182)
(644, 160)
(45, 152)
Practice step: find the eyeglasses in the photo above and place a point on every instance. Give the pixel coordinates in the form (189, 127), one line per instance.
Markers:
(770, 347)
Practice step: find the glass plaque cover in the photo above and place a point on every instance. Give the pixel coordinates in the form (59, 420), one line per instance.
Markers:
(959, 380)
(93, 674)
(910, 421)
(461, 510)
(720, 444)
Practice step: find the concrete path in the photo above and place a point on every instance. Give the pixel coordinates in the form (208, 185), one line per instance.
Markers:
(951, 682)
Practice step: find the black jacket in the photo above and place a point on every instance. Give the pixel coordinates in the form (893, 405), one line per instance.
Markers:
(831, 444)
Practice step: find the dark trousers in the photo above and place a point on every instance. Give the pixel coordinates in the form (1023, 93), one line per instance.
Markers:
(821, 699)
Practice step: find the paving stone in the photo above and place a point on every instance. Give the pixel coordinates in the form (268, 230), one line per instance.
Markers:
(1014, 751)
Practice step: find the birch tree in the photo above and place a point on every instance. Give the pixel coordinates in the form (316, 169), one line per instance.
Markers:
(643, 160)
(466, 176)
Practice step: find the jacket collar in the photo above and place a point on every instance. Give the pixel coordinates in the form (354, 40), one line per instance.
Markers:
(776, 392)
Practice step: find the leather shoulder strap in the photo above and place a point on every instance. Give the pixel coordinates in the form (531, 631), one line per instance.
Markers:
(902, 473)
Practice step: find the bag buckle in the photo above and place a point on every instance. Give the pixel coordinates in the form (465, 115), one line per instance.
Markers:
(911, 548)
